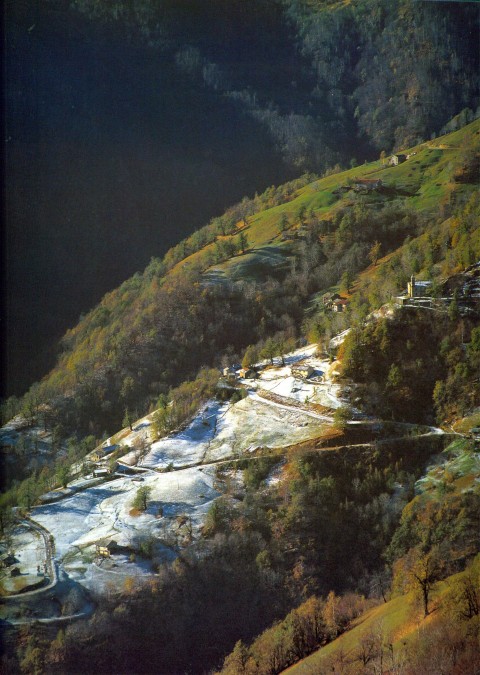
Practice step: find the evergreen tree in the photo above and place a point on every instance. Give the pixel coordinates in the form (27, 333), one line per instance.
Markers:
(127, 419)
(250, 357)
(269, 350)
(142, 496)
(243, 242)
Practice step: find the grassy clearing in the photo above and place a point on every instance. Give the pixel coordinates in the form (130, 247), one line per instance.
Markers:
(271, 260)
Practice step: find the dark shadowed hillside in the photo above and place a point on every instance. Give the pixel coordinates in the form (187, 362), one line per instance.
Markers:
(113, 155)
(129, 125)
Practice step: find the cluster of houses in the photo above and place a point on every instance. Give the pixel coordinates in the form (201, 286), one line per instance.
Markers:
(233, 373)
(465, 286)
(371, 184)
(9, 565)
(335, 302)
(99, 458)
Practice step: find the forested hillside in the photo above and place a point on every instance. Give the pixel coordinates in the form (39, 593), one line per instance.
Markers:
(301, 540)
(179, 109)
(401, 71)
(261, 451)
(256, 272)
(370, 75)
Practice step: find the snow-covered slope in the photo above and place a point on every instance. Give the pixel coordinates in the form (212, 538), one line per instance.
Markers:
(181, 471)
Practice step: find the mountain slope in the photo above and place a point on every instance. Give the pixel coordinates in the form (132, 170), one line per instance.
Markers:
(403, 71)
(393, 633)
(158, 327)
(425, 610)
(180, 104)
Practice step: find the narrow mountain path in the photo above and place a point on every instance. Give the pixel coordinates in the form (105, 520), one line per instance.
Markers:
(67, 618)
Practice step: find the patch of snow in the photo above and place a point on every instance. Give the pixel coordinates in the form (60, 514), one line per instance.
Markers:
(322, 390)
(219, 431)
(189, 446)
(29, 550)
(275, 475)
(103, 512)
(337, 340)
(292, 357)
(254, 422)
